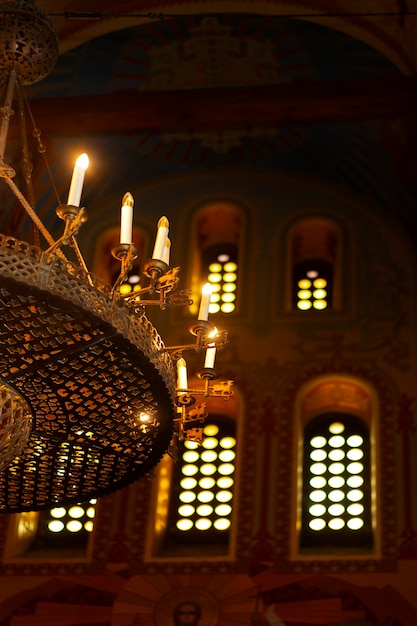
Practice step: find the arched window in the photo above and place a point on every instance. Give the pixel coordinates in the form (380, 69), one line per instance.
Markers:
(194, 503)
(203, 487)
(315, 252)
(337, 503)
(336, 473)
(58, 532)
(218, 229)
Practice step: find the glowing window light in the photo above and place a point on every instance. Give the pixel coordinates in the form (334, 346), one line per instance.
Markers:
(204, 510)
(304, 283)
(208, 456)
(317, 524)
(318, 455)
(214, 278)
(188, 483)
(224, 496)
(223, 510)
(208, 469)
(223, 258)
(318, 468)
(355, 454)
(214, 307)
(185, 524)
(337, 441)
(336, 495)
(336, 510)
(210, 430)
(56, 526)
(336, 455)
(214, 298)
(355, 481)
(355, 441)
(229, 277)
(229, 287)
(190, 456)
(210, 443)
(186, 510)
(187, 496)
(336, 468)
(355, 495)
(355, 509)
(317, 496)
(189, 470)
(58, 512)
(230, 267)
(320, 304)
(304, 294)
(91, 512)
(336, 482)
(318, 442)
(88, 526)
(336, 428)
(227, 307)
(203, 523)
(222, 523)
(207, 482)
(228, 297)
(227, 455)
(76, 512)
(355, 523)
(318, 482)
(226, 469)
(319, 294)
(191, 445)
(74, 526)
(215, 268)
(355, 468)
(320, 283)
(205, 496)
(337, 523)
(304, 305)
(228, 442)
(225, 482)
(312, 273)
(125, 288)
(317, 510)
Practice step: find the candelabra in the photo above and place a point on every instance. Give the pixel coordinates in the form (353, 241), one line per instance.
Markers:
(90, 396)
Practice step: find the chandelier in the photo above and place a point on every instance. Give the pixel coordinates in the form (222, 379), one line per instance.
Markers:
(90, 396)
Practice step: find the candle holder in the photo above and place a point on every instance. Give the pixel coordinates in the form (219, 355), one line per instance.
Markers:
(126, 253)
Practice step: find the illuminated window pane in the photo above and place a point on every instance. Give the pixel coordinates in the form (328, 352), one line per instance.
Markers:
(312, 285)
(336, 476)
(207, 502)
(222, 274)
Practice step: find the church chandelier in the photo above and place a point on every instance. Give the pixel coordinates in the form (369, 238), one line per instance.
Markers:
(90, 396)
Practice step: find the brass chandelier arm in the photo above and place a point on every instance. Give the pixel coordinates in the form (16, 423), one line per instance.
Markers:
(29, 210)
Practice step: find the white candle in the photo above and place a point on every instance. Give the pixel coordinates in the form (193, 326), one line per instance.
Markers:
(161, 237)
(77, 181)
(182, 381)
(166, 252)
(205, 302)
(126, 219)
(210, 357)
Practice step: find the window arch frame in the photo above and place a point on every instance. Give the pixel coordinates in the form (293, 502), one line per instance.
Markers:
(324, 394)
(163, 488)
(215, 236)
(326, 221)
